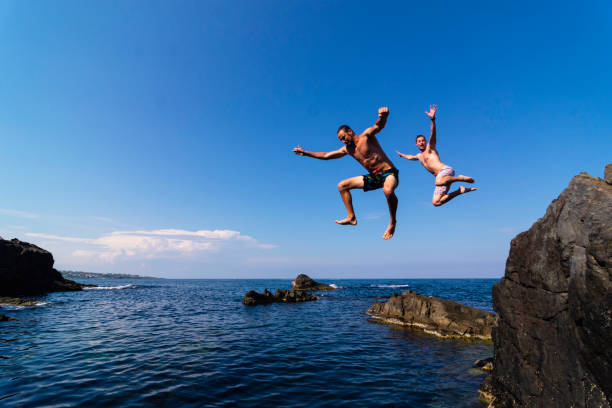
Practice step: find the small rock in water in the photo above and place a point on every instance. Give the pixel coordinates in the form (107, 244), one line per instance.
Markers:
(253, 298)
(484, 364)
(4, 318)
(305, 282)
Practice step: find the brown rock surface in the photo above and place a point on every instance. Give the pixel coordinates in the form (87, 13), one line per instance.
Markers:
(553, 345)
(440, 317)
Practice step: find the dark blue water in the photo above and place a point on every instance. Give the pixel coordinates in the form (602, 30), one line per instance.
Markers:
(192, 343)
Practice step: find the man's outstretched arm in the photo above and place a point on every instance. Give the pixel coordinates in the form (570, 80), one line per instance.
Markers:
(407, 156)
(383, 113)
(336, 154)
(432, 115)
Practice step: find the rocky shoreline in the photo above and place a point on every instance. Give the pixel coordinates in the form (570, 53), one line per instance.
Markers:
(27, 270)
(438, 317)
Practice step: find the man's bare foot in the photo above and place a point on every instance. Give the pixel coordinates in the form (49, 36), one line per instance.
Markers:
(466, 179)
(389, 232)
(347, 221)
(464, 190)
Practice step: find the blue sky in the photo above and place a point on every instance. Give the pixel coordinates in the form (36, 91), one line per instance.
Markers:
(155, 137)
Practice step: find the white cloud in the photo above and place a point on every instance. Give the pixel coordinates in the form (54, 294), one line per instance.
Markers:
(58, 238)
(18, 214)
(164, 243)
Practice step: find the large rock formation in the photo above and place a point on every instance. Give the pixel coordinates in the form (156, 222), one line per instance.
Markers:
(305, 282)
(553, 345)
(26, 269)
(440, 317)
(253, 298)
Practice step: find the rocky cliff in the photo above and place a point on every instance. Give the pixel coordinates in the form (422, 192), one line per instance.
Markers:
(26, 269)
(553, 345)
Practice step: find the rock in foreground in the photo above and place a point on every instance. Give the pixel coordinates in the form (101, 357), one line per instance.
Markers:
(440, 317)
(26, 269)
(305, 282)
(253, 298)
(553, 346)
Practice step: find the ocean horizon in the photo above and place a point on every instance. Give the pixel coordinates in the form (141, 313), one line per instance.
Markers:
(191, 342)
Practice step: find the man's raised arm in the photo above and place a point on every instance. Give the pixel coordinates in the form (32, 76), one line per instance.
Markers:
(407, 156)
(383, 113)
(336, 154)
(432, 116)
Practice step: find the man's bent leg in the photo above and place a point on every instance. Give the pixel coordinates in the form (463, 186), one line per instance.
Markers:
(439, 199)
(446, 176)
(389, 190)
(344, 188)
(447, 180)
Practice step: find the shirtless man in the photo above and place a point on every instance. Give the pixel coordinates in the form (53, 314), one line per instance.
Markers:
(429, 158)
(367, 151)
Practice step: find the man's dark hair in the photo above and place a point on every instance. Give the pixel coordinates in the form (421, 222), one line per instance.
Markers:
(346, 128)
(417, 138)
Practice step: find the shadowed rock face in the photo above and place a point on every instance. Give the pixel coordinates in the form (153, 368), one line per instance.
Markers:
(26, 269)
(304, 282)
(253, 298)
(440, 317)
(553, 345)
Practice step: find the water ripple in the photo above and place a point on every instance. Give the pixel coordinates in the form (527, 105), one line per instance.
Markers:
(192, 343)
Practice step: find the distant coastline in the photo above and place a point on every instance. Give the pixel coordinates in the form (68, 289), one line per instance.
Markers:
(93, 275)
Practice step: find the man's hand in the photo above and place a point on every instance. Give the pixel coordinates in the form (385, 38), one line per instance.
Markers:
(384, 111)
(298, 150)
(432, 112)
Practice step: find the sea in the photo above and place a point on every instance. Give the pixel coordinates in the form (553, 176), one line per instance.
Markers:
(192, 343)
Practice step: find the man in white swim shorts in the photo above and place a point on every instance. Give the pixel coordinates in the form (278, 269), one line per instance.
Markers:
(430, 159)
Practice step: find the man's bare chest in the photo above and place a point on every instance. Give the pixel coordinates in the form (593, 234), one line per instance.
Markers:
(365, 149)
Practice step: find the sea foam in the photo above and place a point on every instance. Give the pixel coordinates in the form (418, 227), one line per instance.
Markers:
(128, 286)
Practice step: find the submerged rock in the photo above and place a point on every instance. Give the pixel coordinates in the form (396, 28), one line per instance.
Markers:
(253, 298)
(484, 364)
(553, 346)
(18, 301)
(440, 317)
(26, 269)
(305, 282)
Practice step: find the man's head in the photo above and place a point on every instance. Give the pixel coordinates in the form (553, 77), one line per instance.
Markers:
(421, 142)
(346, 135)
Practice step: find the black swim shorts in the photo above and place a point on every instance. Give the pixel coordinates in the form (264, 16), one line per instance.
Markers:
(375, 180)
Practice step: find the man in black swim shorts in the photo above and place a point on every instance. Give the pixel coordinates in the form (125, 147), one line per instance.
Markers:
(367, 151)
